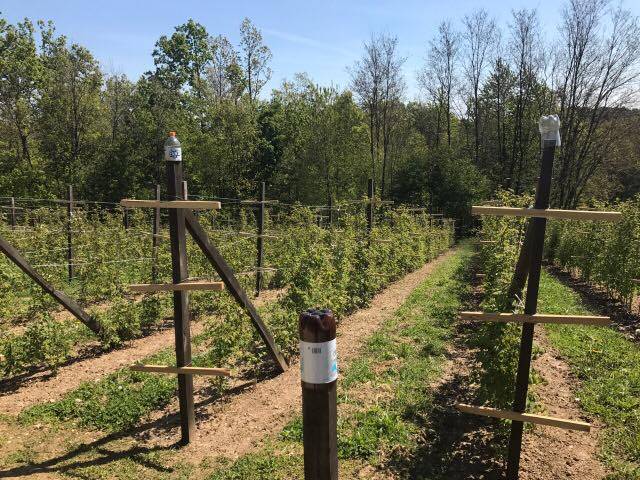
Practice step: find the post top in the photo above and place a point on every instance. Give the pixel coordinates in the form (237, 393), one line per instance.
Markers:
(172, 134)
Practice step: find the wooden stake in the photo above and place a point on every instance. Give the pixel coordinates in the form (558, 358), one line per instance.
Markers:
(172, 204)
(70, 267)
(370, 193)
(537, 318)
(180, 298)
(154, 238)
(260, 239)
(218, 372)
(538, 227)
(319, 395)
(548, 213)
(525, 417)
(175, 287)
(13, 213)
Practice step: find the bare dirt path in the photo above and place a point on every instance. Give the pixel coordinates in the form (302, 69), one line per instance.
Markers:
(43, 387)
(238, 425)
(551, 453)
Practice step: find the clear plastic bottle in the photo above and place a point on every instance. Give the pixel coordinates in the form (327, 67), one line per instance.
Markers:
(172, 149)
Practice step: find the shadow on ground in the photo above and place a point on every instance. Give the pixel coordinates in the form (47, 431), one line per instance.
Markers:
(455, 446)
(107, 449)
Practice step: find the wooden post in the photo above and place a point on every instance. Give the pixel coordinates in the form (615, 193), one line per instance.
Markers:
(371, 194)
(319, 373)
(13, 212)
(126, 218)
(260, 239)
(71, 270)
(180, 299)
(538, 227)
(330, 211)
(154, 239)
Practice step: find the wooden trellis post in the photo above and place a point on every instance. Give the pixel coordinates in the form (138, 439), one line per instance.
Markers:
(13, 212)
(260, 239)
(70, 267)
(549, 128)
(370, 195)
(181, 318)
(155, 238)
(179, 220)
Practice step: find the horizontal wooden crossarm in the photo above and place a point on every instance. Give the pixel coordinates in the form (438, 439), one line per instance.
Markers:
(524, 417)
(537, 318)
(182, 286)
(548, 213)
(487, 241)
(218, 372)
(190, 204)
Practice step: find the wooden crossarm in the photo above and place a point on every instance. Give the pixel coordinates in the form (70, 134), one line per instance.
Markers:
(218, 372)
(190, 204)
(636, 280)
(487, 241)
(548, 213)
(525, 417)
(182, 286)
(537, 318)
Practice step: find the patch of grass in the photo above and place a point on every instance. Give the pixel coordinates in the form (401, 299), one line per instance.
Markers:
(265, 465)
(114, 403)
(384, 396)
(608, 366)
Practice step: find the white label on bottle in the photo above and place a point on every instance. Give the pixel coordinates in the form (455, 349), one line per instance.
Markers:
(173, 154)
(318, 361)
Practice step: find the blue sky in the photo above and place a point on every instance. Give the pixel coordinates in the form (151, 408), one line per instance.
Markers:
(321, 38)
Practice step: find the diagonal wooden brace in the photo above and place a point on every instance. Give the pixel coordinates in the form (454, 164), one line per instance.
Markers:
(228, 277)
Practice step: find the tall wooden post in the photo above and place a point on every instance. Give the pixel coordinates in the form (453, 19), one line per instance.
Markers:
(125, 219)
(13, 212)
(538, 227)
(155, 238)
(370, 194)
(70, 268)
(319, 374)
(180, 299)
(260, 239)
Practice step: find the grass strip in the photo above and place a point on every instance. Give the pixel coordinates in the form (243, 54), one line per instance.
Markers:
(608, 366)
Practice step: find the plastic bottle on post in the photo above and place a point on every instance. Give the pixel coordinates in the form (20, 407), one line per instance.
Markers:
(172, 148)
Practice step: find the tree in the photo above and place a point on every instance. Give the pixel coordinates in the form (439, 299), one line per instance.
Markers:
(594, 72)
(255, 60)
(184, 57)
(225, 74)
(378, 82)
(20, 78)
(527, 61)
(496, 100)
(69, 109)
(479, 36)
(438, 77)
